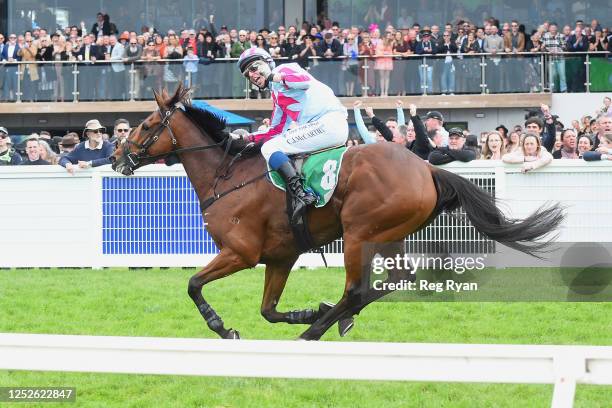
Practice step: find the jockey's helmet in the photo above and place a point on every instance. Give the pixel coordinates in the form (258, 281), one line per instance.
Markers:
(251, 55)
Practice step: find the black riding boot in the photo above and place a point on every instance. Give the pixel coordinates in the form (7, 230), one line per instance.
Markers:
(299, 198)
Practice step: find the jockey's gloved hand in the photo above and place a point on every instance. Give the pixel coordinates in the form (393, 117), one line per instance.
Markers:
(239, 135)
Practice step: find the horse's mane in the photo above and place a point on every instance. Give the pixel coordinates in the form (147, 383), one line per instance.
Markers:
(208, 122)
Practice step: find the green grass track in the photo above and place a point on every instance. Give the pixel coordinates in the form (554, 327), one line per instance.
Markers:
(121, 302)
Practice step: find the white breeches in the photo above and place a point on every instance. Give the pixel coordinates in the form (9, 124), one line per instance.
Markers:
(329, 131)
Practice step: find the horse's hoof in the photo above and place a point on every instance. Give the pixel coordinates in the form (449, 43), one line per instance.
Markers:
(345, 326)
(232, 335)
(306, 339)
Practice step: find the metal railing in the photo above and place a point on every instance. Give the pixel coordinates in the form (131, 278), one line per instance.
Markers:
(476, 73)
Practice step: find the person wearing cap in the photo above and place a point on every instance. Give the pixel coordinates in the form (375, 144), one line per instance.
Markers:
(434, 121)
(8, 155)
(424, 143)
(456, 149)
(67, 143)
(93, 152)
(503, 131)
(426, 47)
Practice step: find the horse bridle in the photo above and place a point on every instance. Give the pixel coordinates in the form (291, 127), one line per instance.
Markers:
(134, 159)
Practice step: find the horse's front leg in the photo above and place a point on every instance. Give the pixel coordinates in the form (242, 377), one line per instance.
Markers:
(224, 264)
(274, 284)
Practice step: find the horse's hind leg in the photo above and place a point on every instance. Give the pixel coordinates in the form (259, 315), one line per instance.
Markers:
(357, 293)
(276, 278)
(350, 298)
(224, 264)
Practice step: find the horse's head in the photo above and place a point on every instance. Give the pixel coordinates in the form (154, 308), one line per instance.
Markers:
(153, 139)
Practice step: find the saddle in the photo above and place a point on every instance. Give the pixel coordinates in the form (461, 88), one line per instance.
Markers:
(300, 229)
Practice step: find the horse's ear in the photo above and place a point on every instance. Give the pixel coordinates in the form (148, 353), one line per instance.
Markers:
(178, 93)
(165, 95)
(159, 99)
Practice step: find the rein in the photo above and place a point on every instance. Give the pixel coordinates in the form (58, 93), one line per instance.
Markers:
(227, 174)
(135, 158)
(221, 173)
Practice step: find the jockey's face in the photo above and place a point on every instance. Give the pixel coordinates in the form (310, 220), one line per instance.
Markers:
(257, 79)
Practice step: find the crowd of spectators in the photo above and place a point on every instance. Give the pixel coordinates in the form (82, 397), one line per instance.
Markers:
(533, 144)
(338, 64)
(72, 151)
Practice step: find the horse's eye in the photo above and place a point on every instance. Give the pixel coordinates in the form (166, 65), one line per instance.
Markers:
(145, 126)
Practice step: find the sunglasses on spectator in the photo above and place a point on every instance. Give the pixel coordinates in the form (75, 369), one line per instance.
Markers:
(3, 136)
(94, 130)
(123, 130)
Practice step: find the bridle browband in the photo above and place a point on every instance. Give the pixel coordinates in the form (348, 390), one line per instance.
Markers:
(134, 159)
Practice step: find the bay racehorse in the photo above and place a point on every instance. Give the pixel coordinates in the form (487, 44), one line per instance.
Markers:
(384, 193)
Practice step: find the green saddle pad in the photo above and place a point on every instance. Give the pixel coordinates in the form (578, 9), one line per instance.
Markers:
(319, 172)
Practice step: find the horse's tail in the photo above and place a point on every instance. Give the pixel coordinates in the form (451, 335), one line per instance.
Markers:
(455, 191)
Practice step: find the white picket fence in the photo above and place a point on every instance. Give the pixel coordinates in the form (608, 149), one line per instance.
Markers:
(563, 366)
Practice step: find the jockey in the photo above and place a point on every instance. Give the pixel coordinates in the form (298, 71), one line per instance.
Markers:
(306, 117)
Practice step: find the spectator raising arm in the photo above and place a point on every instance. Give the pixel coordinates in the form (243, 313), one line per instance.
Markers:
(379, 125)
(549, 134)
(422, 145)
(366, 136)
(399, 107)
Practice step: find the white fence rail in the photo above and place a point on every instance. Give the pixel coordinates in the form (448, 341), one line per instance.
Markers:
(563, 366)
(96, 218)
